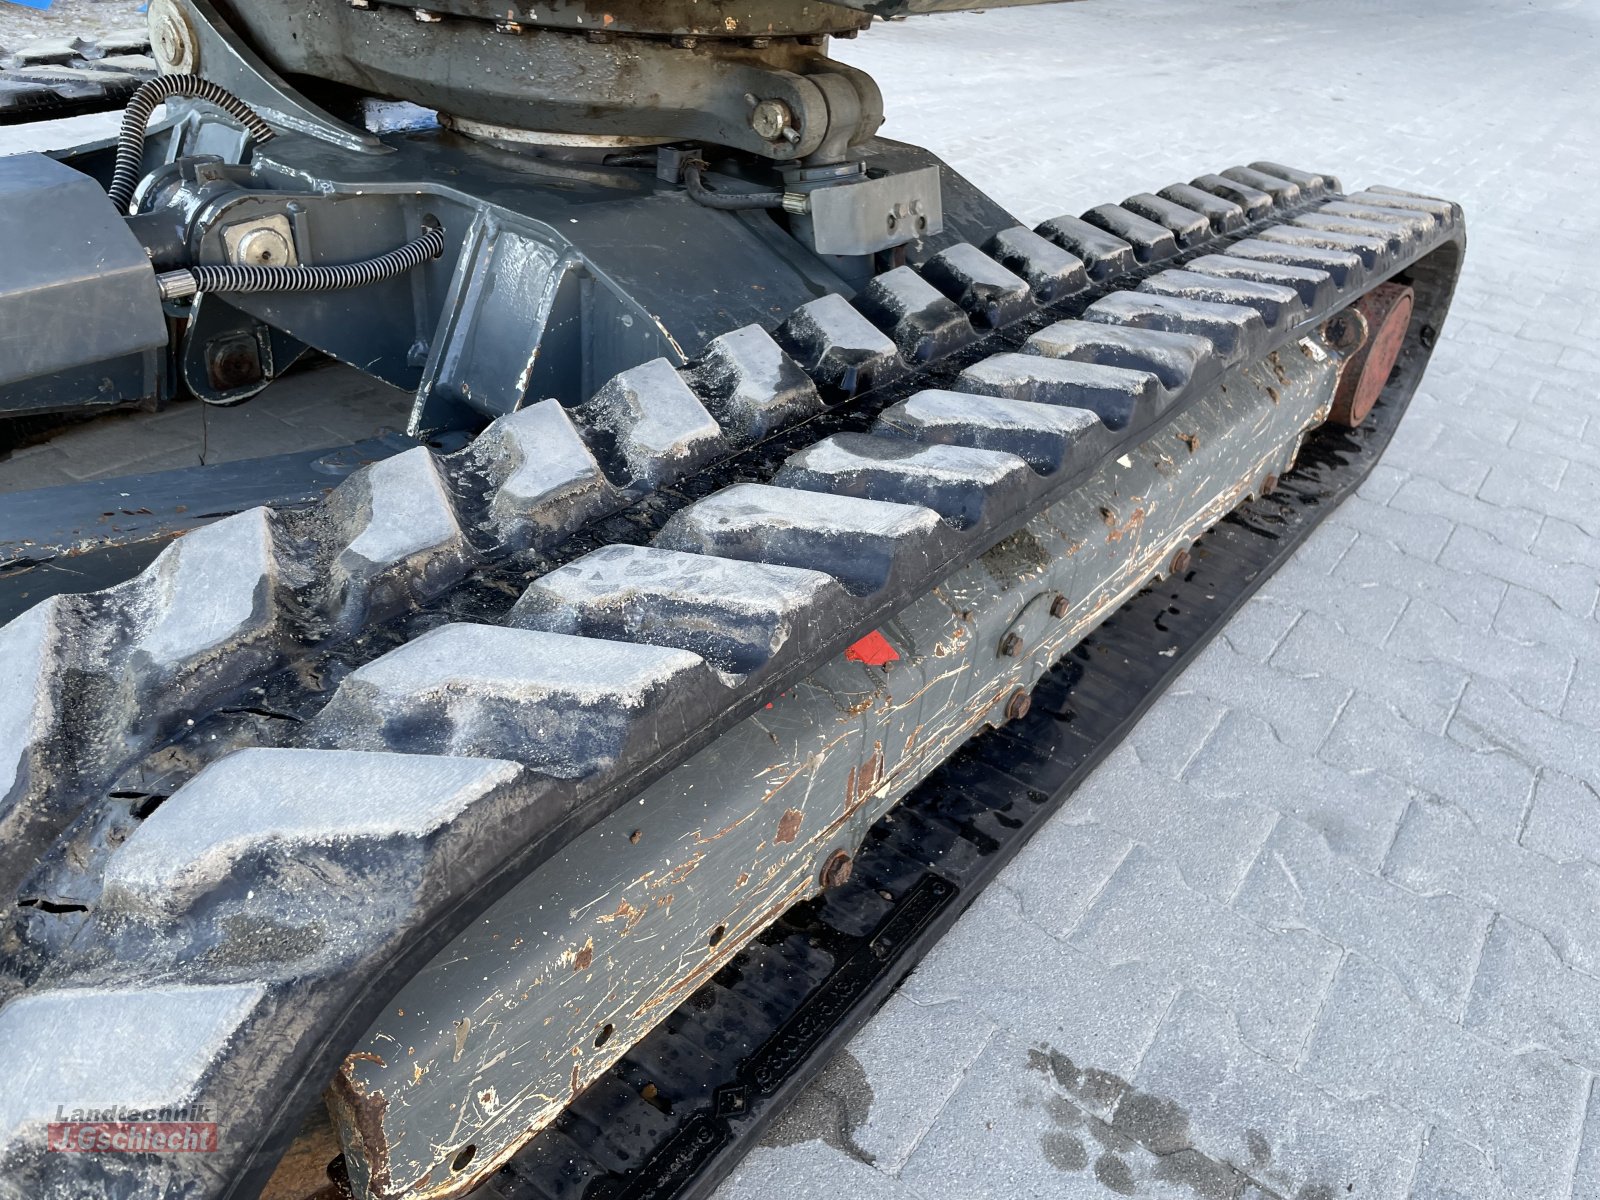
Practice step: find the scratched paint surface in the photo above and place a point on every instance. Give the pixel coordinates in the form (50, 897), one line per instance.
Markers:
(676, 882)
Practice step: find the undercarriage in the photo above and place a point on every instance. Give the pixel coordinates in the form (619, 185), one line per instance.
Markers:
(448, 833)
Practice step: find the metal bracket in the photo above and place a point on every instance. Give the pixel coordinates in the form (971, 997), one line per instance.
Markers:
(876, 214)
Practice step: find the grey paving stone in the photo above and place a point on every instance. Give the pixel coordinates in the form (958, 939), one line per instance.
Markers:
(808, 1171)
(1210, 839)
(1040, 989)
(1301, 711)
(1365, 610)
(1582, 705)
(1178, 725)
(1471, 599)
(908, 1080)
(1560, 541)
(1271, 980)
(1508, 487)
(1425, 691)
(1530, 617)
(1430, 942)
(1489, 783)
(1355, 811)
(1524, 1108)
(1524, 995)
(1321, 552)
(1513, 527)
(1570, 585)
(1385, 480)
(1421, 535)
(1537, 674)
(1451, 1169)
(1439, 851)
(1586, 1174)
(1490, 718)
(1293, 1137)
(1564, 819)
(1257, 629)
(1063, 867)
(1024, 1124)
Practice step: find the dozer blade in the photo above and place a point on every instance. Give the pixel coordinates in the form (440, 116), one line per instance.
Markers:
(591, 666)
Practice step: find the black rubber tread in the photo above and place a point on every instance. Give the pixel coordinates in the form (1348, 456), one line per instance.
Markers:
(609, 714)
(62, 77)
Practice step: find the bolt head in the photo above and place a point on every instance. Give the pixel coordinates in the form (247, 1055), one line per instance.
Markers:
(1018, 705)
(1060, 607)
(1269, 485)
(264, 248)
(770, 118)
(1011, 646)
(836, 871)
(1180, 562)
(172, 39)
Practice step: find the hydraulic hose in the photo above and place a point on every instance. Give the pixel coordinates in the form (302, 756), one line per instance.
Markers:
(729, 201)
(186, 281)
(142, 104)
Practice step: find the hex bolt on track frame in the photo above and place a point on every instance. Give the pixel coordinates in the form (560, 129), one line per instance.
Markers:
(434, 801)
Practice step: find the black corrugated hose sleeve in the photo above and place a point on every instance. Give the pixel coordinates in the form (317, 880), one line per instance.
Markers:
(130, 140)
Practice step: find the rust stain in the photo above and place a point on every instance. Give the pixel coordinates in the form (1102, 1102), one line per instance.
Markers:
(864, 779)
(363, 1056)
(585, 957)
(789, 825)
(679, 873)
(1117, 532)
(744, 878)
(356, 1109)
(1190, 440)
(629, 914)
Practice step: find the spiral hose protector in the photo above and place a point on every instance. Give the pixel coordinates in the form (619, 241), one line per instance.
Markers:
(222, 278)
(130, 140)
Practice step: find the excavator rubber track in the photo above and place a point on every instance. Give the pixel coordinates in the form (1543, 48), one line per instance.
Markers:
(672, 1118)
(193, 756)
(66, 77)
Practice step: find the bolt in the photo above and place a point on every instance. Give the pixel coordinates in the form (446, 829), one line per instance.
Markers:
(172, 38)
(1060, 607)
(836, 871)
(770, 118)
(1180, 562)
(1427, 335)
(1011, 646)
(263, 248)
(234, 361)
(1269, 485)
(1018, 705)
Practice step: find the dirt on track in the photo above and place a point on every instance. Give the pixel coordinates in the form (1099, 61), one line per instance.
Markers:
(66, 19)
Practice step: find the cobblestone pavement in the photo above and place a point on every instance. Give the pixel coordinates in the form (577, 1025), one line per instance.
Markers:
(1329, 925)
